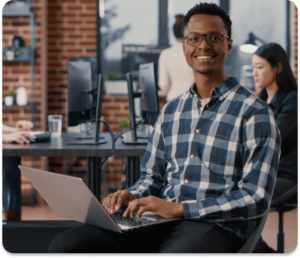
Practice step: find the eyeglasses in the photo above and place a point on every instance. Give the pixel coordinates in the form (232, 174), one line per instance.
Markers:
(195, 39)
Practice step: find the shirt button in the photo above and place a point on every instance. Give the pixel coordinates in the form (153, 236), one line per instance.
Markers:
(207, 106)
(186, 181)
(191, 156)
(197, 131)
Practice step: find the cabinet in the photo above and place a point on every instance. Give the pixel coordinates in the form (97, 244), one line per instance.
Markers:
(25, 54)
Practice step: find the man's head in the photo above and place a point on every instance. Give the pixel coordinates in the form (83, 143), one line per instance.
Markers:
(177, 26)
(209, 9)
(206, 41)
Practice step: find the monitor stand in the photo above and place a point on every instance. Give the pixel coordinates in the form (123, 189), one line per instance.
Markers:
(82, 136)
(127, 139)
(87, 142)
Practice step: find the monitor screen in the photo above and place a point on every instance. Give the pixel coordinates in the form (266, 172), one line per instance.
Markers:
(79, 99)
(134, 55)
(148, 94)
(149, 88)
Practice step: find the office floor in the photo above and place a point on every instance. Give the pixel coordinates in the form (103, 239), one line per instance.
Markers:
(44, 212)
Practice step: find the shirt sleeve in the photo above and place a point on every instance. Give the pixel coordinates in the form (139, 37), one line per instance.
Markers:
(153, 167)
(261, 143)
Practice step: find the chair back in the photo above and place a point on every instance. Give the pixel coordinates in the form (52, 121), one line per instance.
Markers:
(253, 237)
(287, 197)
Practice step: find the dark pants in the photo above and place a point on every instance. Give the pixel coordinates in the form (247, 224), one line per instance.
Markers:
(11, 184)
(184, 236)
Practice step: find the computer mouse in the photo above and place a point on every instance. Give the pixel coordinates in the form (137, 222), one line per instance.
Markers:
(29, 139)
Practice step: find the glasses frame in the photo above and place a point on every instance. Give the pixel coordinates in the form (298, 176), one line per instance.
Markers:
(202, 37)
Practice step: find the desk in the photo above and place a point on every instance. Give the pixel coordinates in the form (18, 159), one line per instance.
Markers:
(59, 147)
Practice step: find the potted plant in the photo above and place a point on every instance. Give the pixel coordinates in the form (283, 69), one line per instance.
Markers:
(9, 98)
(124, 123)
(115, 84)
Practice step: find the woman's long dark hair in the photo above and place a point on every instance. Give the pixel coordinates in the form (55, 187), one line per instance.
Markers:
(274, 54)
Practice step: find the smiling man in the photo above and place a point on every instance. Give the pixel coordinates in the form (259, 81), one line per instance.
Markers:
(212, 159)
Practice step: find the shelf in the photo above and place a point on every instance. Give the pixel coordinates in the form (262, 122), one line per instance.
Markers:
(24, 55)
(15, 10)
(17, 106)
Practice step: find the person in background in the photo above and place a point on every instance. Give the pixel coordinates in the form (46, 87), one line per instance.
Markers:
(175, 77)
(11, 177)
(211, 160)
(273, 76)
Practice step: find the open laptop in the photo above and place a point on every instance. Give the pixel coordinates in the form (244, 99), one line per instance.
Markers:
(70, 197)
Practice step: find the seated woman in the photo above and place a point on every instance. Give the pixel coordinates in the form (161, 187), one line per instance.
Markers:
(11, 179)
(273, 76)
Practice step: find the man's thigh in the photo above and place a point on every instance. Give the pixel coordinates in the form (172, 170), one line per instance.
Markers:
(90, 239)
(199, 237)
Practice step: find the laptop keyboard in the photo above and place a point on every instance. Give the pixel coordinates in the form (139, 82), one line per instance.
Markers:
(130, 222)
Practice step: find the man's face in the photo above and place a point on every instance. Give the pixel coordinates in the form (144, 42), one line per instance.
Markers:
(206, 58)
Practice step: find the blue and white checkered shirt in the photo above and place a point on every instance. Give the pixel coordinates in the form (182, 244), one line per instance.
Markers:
(221, 164)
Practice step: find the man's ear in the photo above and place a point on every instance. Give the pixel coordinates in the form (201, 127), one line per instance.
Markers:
(229, 46)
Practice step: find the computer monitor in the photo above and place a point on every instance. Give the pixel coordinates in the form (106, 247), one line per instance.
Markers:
(149, 88)
(148, 93)
(79, 98)
(135, 55)
(96, 134)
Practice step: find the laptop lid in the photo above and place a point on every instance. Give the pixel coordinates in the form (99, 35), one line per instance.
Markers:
(70, 197)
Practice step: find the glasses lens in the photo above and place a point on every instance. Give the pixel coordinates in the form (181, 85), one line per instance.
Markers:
(214, 38)
(194, 39)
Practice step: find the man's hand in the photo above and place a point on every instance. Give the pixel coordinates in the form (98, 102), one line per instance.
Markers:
(117, 200)
(24, 125)
(151, 203)
(18, 137)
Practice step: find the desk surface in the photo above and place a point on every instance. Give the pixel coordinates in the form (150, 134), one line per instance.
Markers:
(59, 147)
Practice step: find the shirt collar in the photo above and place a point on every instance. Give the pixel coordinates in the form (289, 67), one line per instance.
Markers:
(221, 90)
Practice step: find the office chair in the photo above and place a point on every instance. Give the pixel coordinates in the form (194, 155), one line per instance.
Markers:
(283, 203)
(253, 237)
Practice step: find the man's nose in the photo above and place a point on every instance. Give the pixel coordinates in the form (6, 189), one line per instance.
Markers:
(204, 44)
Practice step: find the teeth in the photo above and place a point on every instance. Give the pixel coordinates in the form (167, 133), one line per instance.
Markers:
(204, 57)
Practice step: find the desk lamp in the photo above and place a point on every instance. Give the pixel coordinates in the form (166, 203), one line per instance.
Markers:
(250, 46)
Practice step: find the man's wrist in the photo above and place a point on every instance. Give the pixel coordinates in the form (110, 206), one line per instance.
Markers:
(178, 210)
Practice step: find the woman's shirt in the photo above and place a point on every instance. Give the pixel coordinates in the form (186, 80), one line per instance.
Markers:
(284, 106)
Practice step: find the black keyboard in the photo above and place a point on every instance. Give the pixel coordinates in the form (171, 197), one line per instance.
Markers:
(130, 222)
(39, 137)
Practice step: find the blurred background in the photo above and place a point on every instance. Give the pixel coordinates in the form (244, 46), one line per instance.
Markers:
(40, 37)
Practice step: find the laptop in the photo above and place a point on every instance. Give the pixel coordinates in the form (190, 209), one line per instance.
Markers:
(70, 197)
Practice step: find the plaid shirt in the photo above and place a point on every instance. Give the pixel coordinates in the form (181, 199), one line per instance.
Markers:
(221, 164)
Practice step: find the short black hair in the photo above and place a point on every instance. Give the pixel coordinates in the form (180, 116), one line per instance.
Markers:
(210, 9)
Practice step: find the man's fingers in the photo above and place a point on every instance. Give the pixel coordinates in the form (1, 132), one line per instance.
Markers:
(141, 211)
(120, 200)
(113, 201)
(106, 201)
(132, 207)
